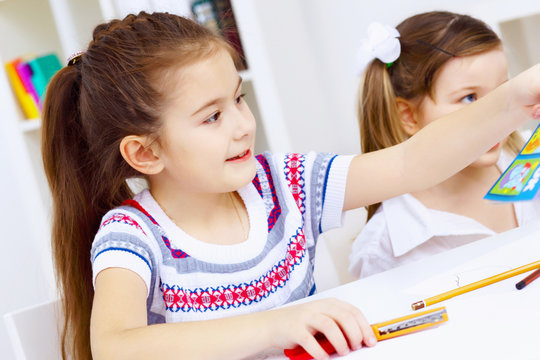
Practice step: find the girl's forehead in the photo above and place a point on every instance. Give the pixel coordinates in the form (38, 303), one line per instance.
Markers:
(179, 72)
(209, 74)
(484, 69)
(192, 85)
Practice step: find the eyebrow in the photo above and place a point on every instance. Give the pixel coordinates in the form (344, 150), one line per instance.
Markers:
(464, 89)
(215, 101)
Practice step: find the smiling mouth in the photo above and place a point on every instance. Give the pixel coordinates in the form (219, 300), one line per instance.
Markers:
(241, 156)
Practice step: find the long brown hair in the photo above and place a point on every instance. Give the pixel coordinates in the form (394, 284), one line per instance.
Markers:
(427, 41)
(117, 88)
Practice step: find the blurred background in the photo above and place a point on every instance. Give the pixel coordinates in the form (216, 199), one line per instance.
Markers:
(300, 79)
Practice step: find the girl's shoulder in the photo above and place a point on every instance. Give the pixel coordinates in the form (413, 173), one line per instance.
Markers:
(122, 219)
(130, 217)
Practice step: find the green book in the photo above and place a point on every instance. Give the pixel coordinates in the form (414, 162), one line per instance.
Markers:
(43, 68)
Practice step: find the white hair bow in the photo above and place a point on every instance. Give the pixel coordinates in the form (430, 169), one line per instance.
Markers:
(382, 43)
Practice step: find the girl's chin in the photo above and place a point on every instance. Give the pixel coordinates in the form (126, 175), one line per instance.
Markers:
(489, 159)
(246, 174)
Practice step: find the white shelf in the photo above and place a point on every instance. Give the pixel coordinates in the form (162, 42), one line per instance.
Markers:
(30, 125)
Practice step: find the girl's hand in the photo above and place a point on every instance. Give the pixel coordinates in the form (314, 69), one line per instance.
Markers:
(341, 323)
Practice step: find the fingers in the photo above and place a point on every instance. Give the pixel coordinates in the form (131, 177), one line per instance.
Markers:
(333, 333)
(536, 111)
(312, 346)
(344, 326)
(357, 329)
(366, 329)
(355, 326)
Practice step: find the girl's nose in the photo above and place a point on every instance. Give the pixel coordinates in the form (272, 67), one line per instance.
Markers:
(245, 123)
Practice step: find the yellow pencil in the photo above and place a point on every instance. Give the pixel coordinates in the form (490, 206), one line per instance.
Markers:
(475, 285)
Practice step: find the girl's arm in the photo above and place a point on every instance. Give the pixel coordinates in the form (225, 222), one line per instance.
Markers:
(445, 146)
(119, 327)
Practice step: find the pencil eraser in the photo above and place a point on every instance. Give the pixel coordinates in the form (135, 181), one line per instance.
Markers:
(418, 305)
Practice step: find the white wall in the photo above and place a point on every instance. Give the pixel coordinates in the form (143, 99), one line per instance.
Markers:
(314, 43)
(36, 13)
(26, 276)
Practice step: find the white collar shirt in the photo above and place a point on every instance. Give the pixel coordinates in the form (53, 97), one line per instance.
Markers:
(404, 230)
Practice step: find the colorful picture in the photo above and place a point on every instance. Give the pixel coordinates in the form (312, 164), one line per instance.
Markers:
(533, 145)
(516, 177)
(521, 180)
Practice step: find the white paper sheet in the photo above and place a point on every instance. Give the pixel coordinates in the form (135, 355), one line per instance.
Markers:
(493, 326)
(496, 322)
(511, 256)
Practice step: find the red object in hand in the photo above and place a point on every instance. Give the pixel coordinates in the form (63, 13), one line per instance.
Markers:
(298, 353)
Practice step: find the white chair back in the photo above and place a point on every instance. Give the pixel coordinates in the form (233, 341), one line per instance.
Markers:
(34, 331)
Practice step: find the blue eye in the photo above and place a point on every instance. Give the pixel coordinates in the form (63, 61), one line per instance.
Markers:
(238, 100)
(468, 99)
(212, 119)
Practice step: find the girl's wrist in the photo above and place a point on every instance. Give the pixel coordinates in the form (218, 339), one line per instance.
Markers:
(526, 87)
(268, 327)
(511, 99)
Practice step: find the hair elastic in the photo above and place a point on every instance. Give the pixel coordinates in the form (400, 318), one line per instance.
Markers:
(74, 58)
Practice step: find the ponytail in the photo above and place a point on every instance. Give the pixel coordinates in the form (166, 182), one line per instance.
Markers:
(378, 115)
(116, 88)
(76, 215)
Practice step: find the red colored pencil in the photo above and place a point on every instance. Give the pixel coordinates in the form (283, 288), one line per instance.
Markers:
(529, 279)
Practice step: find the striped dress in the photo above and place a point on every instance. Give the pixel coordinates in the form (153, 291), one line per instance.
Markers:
(291, 200)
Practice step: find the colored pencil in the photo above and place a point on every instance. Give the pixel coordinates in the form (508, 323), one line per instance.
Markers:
(529, 279)
(475, 285)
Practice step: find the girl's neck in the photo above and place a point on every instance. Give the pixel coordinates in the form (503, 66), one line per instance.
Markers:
(463, 194)
(475, 178)
(217, 218)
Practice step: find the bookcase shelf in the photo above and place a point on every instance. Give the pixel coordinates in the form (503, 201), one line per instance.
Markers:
(30, 125)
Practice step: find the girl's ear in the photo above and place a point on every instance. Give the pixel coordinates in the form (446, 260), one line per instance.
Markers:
(142, 154)
(407, 114)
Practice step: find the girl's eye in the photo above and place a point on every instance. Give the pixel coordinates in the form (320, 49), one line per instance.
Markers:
(238, 100)
(212, 119)
(468, 99)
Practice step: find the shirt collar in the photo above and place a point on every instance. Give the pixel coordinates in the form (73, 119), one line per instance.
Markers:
(411, 224)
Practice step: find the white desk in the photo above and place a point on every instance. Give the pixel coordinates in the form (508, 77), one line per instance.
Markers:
(494, 322)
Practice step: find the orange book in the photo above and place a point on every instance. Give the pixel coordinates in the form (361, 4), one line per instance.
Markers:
(26, 100)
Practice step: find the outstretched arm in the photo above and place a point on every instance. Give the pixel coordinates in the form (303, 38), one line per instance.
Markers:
(119, 327)
(445, 146)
